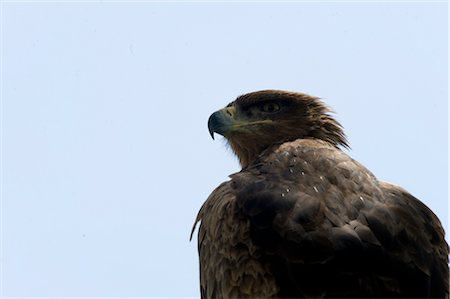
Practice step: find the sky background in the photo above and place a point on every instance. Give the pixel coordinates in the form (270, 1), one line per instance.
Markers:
(106, 156)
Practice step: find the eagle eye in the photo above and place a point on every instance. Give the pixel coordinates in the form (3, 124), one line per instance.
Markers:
(270, 107)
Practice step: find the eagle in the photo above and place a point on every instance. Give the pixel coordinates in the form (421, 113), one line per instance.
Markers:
(302, 219)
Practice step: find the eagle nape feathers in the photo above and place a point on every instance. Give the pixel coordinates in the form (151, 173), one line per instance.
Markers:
(302, 219)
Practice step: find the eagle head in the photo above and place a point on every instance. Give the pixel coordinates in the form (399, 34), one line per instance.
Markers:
(258, 120)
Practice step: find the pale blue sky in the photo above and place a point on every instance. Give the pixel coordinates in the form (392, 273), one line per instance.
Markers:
(106, 153)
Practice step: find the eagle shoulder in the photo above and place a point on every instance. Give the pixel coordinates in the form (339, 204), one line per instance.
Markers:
(329, 228)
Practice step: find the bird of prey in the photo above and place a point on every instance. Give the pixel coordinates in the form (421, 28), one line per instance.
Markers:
(302, 219)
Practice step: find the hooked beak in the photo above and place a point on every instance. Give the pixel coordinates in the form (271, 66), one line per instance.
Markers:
(221, 121)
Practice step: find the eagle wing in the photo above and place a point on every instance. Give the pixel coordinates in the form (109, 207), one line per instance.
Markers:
(326, 227)
(229, 265)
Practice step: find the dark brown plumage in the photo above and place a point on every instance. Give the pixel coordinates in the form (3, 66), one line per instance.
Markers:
(304, 220)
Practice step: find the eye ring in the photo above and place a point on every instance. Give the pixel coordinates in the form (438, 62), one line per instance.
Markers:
(270, 107)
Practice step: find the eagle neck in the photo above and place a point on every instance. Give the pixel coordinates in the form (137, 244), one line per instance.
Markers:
(247, 154)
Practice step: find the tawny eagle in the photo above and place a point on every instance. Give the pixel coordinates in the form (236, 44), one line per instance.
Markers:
(304, 220)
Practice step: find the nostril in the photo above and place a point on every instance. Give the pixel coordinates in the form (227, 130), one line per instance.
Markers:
(229, 112)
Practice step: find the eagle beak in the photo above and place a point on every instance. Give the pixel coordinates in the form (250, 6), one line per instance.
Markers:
(221, 121)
